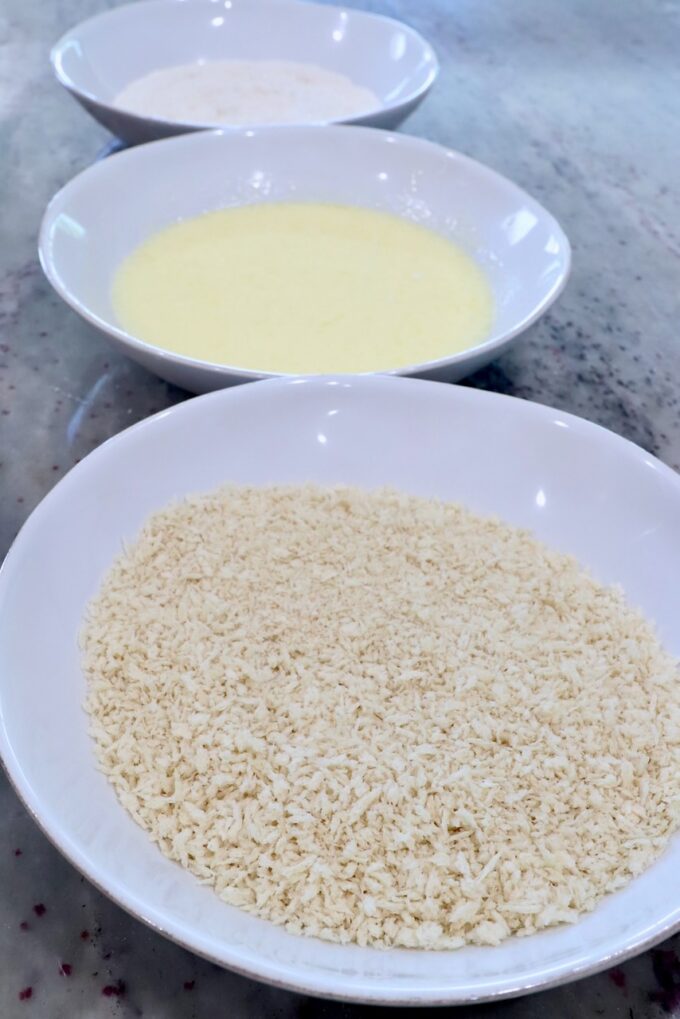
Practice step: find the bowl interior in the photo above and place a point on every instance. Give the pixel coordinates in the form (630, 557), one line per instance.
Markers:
(104, 54)
(578, 487)
(103, 214)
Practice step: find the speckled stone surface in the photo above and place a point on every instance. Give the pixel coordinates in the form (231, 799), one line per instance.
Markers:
(577, 102)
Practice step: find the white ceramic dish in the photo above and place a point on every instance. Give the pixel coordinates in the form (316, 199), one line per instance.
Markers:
(578, 487)
(99, 57)
(110, 208)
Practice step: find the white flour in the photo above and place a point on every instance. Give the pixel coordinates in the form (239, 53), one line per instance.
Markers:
(246, 92)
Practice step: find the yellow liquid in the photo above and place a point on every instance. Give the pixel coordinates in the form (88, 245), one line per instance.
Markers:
(303, 288)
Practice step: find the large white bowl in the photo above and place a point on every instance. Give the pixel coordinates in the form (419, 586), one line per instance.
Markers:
(99, 57)
(105, 212)
(578, 487)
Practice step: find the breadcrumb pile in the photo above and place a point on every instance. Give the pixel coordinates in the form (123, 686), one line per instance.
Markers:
(381, 719)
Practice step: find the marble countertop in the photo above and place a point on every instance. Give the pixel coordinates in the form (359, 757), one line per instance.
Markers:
(577, 102)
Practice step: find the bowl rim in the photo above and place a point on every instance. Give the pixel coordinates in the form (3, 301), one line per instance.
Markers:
(413, 96)
(486, 348)
(135, 907)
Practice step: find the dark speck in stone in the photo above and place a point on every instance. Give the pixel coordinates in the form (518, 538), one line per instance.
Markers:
(5, 412)
(66, 969)
(26, 994)
(24, 926)
(17, 852)
(55, 467)
(189, 985)
(618, 977)
(669, 1000)
(116, 990)
(42, 335)
(84, 935)
(39, 909)
(666, 966)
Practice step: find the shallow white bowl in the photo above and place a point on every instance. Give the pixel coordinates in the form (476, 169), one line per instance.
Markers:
(105, 212)
(578, 487)
(99, 57)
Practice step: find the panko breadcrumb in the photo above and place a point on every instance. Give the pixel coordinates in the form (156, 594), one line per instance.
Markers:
(381, 719)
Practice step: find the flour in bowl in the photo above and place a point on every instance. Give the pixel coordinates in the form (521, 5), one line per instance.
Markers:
(246, 92)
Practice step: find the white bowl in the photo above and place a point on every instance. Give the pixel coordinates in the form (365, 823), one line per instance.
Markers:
(99, 57)
(94, 222)
(578, 487)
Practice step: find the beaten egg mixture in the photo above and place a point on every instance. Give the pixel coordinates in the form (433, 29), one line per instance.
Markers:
(303, 287)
